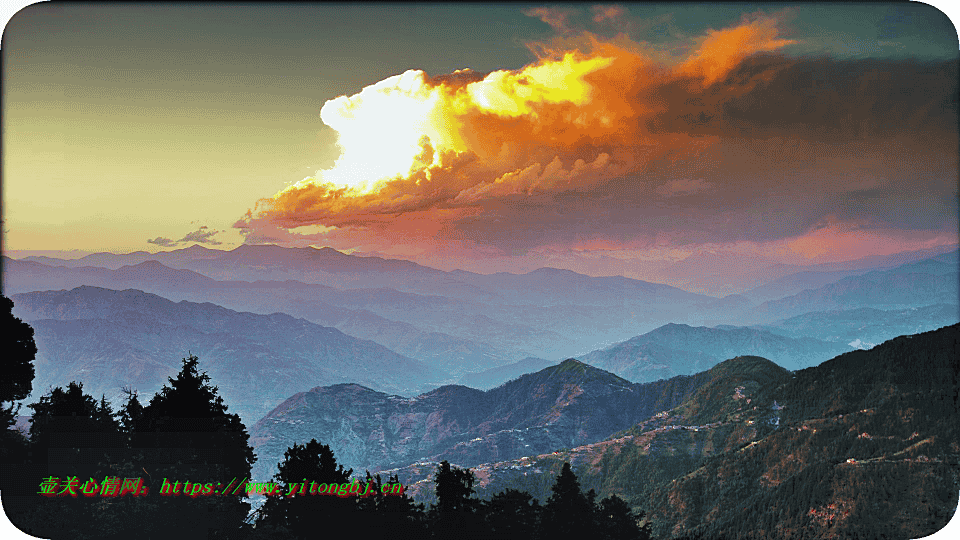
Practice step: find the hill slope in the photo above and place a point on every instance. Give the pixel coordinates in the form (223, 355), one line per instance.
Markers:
(865, 445)
(560, 406)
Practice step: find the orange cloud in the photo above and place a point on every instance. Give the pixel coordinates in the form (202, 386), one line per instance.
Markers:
(593, 146)
(721, 50)
(607, 13)
(838, 241)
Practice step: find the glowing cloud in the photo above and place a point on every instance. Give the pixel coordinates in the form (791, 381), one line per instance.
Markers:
(721, 50)
(593, 146)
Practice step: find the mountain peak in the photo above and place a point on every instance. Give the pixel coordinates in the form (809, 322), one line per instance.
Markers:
(571, 367)
(196, 248)
(748, 364)
(571, 363)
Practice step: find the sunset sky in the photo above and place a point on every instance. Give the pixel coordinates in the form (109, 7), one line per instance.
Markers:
(484, 137)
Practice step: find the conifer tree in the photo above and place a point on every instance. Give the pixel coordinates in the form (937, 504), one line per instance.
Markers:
(19, 352)
(457, 512)
(71, 438)
(391, 512)
(568, 512)
(63, 423)
(303, 506)
(186, 435)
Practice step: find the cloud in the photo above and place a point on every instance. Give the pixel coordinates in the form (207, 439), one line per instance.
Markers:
(605, 145)
(161, 241)
(607, 13)
(557, 18)
(203, 235)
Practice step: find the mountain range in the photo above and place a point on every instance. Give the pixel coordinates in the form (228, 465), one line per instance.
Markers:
(863, 328)
(679, 349)
(483, 328)
(565, 405)
(916, 284)
(865, 445)
(114, 339)
(784, 418)
(460, 321)
(722, 273)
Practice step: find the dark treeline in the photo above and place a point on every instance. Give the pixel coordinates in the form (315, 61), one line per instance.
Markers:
(77, 444)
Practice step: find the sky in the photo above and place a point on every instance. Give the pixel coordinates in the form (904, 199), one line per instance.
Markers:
(486, 137)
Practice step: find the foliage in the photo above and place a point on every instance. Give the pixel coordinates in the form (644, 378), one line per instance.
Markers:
(568, 512)
(457, 510)
(19, 352)
(294, 509)
(513, 514)
(184, 434)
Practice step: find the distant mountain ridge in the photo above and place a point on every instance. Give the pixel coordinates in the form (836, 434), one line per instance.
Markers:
(323, 265)
(915, 284)
(461, 322)
(441, 350)
(865, 327)
(110, 339)
(679, 349)
(494, 325)
(723, 273)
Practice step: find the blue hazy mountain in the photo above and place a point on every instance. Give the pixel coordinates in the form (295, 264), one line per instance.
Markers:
(112, 339)
(679, 349)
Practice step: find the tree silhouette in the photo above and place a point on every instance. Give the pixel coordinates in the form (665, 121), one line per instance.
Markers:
(454, 488)
(456, 513)
(185, 434)
(299, 509)
(568, 512)
(131, 415)
(391, 512)
(71, 437)
(513, 514)
(64, 420)
(19, 352)
(617, 521)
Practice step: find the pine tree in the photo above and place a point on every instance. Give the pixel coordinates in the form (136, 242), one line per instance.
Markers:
(568, 512)
(71, 438)
(185, 434)
(300, 508)
(67, 425)
(457, 511)
(19, 352)
(391, 512)
(454, 488)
